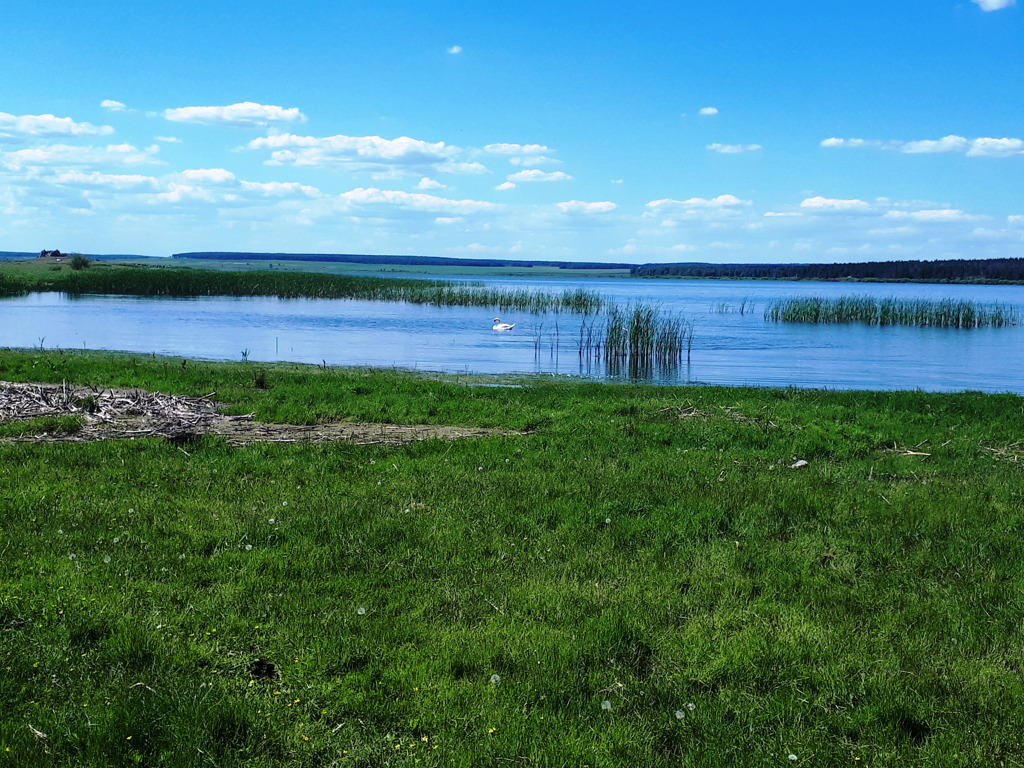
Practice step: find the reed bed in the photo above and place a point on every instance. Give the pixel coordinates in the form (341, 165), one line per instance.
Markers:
(188, 282)
(637, 339)
(944, 313)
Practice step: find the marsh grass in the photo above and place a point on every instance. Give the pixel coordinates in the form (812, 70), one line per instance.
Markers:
(944, 313)
(647, 547)
(114, 279)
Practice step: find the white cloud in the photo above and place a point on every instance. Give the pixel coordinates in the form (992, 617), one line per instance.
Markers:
(169, 139)
(428, 183)
(1015, 220)
(708, 111)
(579, 206)
(522, 154)
(505, 186)
(280, 189)
(828, 204)
(850, 143)
(19, 130)
(943, 145)
(994, 5)
(734, 149)
(455, 49)
(97, 180)
(416, 201)
(932, 215)
(67, 155)
(996, 148)
(246, 114)
(980, 147)
(113, 106)
(535, 175)
(209, 176)
(366, 153)
(722, 201)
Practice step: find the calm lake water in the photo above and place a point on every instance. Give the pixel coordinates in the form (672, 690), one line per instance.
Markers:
(728, 347)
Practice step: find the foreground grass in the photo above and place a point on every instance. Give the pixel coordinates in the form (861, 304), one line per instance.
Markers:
(477, 603)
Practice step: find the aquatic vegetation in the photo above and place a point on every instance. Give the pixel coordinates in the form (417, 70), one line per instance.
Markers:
(136, 281)
(943, 313)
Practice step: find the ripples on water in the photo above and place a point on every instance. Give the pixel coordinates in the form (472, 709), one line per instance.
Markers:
(728, 347)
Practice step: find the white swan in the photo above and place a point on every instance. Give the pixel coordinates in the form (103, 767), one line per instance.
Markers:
(500, 326)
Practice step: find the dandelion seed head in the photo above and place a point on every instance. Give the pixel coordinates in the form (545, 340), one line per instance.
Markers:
(248, 547)
(361, 611)
(60, 531)
(284, 503)
(794, 758)
(72, 556)
(131, 510)
(680, 714)
(606, 704)
(271, 521)
(691, 706)
(495, 679)
(106, 559)
(117, 539)
(607, 521)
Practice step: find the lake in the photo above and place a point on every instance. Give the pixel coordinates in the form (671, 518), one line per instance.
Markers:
(729, 347)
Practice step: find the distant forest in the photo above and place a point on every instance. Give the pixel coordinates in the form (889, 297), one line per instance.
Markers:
(426, 261)
(949, 271)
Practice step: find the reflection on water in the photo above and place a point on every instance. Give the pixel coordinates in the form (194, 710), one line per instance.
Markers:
(728, 346)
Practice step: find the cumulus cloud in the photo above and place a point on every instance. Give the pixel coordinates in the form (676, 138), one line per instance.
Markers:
(722, 201)
(996, 148)
(708, 111)
(930, 215)
(940, 146)
(733, 149)
(522, 154)
(428, 183)
(246, 114)
(535, 175)
(97, 180)
(993, 5)
(505, 186)
(67, 155)
(169, 139)
(366, 153)
(16, 129)
(209, 176)
(821, 204)
(113, 106)
(455, 49)
(415, 201)
(579, 206)
(980, 147)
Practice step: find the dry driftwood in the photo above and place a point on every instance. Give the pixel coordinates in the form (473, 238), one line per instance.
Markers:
(115, 414)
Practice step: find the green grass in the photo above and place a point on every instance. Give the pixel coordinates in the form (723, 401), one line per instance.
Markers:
(68, 424)
(942, 313)
(107, 278)
(649, 547)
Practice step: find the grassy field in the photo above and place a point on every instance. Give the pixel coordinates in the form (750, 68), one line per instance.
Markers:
(630, 576)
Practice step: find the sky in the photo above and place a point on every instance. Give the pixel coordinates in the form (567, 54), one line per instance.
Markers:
(735, 131)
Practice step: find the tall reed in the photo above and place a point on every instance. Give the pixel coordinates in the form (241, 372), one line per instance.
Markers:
(944, 313)
(637, 339)
(191, 282)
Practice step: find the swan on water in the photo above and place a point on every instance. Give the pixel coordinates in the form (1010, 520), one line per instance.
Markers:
(500, 326)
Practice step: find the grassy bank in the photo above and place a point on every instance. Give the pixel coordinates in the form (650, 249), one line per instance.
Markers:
(640, 578)
(944, 313)
(107, 278)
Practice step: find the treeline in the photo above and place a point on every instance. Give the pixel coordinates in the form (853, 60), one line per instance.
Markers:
(948, 271)
(363, 258)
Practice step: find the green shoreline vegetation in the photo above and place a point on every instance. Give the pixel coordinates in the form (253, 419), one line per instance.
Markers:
(106, 278)
(943, 313)
(625, 575)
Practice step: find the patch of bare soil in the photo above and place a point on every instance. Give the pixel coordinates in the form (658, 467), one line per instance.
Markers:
(112, 414)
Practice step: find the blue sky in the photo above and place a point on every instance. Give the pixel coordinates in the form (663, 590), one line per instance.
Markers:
(687, 131)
